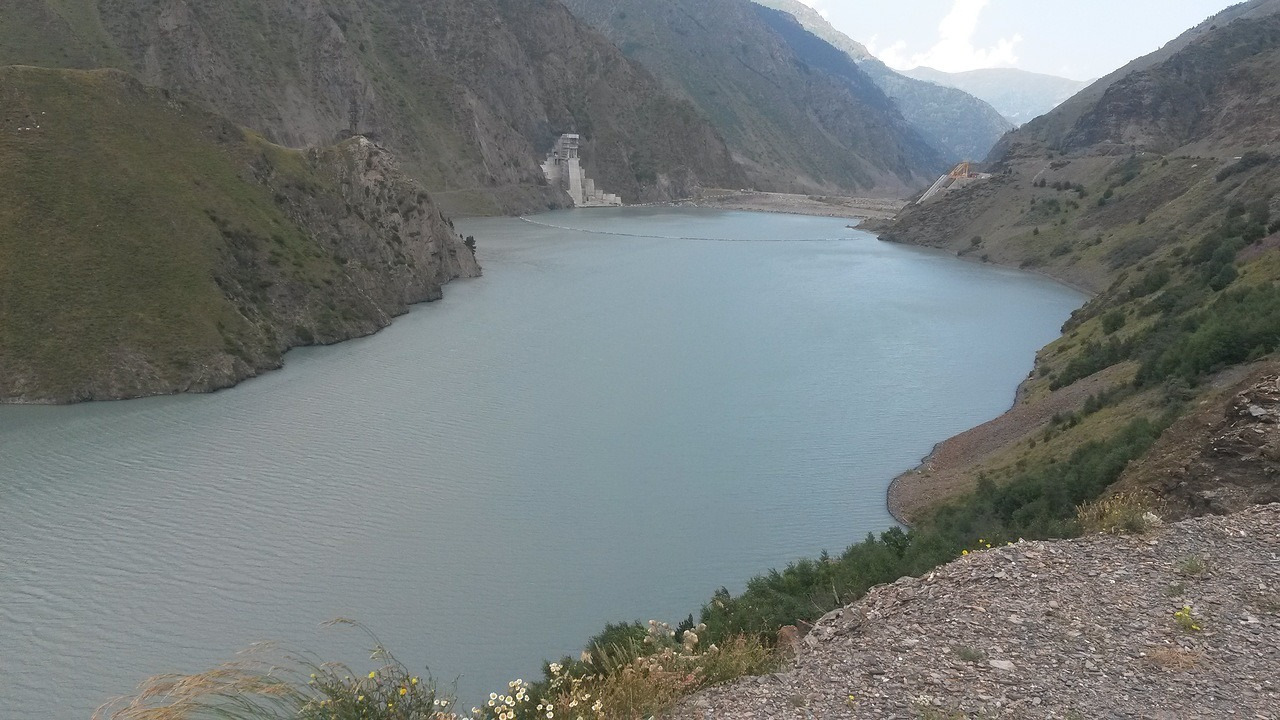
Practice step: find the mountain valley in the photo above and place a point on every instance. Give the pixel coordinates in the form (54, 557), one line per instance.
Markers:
(189, 190)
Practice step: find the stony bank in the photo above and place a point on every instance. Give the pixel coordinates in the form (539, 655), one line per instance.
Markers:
(1182, 622)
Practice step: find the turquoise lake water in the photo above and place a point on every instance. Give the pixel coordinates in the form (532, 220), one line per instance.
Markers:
(630, 409)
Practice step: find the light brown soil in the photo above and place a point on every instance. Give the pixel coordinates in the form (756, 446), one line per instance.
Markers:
(950, 469)
(820, 205)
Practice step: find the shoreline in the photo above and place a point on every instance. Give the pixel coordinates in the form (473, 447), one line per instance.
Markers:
(894, 501)
(891, 502)
(234, 380)
(833, 206)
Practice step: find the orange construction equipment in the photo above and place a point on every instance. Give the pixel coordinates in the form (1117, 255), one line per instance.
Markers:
(963, 170)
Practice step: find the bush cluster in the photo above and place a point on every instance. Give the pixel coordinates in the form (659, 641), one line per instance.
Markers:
(1248, 161)
(1205, 320)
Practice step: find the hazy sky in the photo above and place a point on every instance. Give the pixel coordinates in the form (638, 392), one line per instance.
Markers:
(1081, 39)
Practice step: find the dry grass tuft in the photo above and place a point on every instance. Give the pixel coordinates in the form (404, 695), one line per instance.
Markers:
(250, 687)
(1121, 514)
(267, 684)
(1174, 659)
(627, 688)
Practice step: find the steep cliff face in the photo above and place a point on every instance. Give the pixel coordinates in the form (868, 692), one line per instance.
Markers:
(148, 246)
(797, 125)
(469, 95)
(957, 124)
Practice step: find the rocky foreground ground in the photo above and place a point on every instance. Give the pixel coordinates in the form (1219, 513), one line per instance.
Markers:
(1182, 622)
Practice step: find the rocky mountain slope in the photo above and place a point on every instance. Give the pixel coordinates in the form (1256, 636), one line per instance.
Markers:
(1049, 129)
(795, 125)
(1159, 195)
(957, 124)
(1215, 94)
(1181, 623)
(469, 95)
(149, 246)
(1018, 95)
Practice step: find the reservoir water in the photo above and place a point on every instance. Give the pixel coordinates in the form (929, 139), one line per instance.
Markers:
(630, 409)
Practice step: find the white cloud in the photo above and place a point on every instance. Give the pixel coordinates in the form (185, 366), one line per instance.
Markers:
(954, 50)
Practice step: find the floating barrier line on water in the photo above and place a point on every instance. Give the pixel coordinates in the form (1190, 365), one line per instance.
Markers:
(671, 237)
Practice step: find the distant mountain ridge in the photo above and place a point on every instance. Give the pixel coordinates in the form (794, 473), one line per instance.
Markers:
(794, 126)
(1019, 95)
(959, 125)
(814, 22)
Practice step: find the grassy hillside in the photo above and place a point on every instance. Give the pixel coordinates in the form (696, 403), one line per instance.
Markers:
(1159, 196)
(796, 126)
(149, 246)
(470, 95)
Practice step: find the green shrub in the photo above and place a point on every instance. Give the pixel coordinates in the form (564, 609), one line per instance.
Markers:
(1237, 325)
(1248, 161)
(1113, 321)
(1092, 358)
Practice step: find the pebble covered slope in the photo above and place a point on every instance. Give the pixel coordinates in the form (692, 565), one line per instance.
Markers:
(1183, 622)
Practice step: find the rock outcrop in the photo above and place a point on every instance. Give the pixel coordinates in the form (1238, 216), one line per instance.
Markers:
(1178, 624)
(1222, 457)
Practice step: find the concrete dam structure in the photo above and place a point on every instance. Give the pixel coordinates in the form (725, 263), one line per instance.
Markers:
(563, 168)
(962, 175)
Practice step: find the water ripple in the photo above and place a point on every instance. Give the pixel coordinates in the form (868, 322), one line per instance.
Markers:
(594, 431)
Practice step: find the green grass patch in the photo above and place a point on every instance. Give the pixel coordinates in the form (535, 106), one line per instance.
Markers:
(128, 222)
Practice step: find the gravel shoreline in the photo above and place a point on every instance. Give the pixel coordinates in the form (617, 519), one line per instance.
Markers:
(817, 205)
